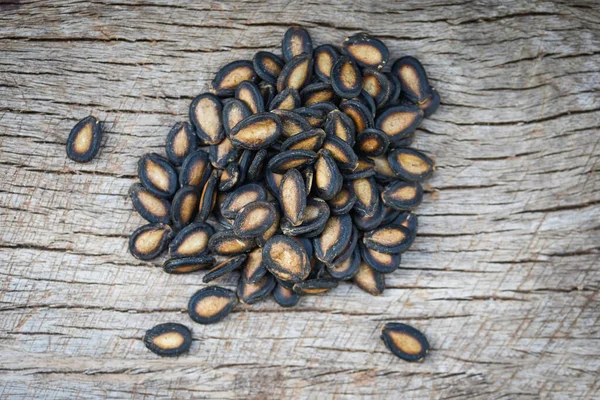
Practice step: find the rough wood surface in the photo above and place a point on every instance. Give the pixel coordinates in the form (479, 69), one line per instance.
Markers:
(503, 278)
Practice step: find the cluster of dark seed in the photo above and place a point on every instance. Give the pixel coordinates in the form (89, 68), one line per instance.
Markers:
(295, 170)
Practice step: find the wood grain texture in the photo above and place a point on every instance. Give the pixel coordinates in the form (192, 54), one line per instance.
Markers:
(503, 278)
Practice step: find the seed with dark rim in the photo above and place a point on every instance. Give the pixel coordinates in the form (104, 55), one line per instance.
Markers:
(148, 241)
(157, 174)
(224, 268)
(211, 304)
(250, 95)
(226, 243)
(285, 297)
(205, 114)
(314, 117)
(254, 268)
(366, 50)
(168, 340)
(371, 221)
(377, 85)
(234, 111)
(254, 219)
(222, 154)
(339, 124)
(257, 131)
(343, 201)
(231, 75)
(195, 170)
(410, 164)
(372, 142)
(364, 169)
(84, 140)
(365, 99)
(292, 196)
(295, 42)
(287, 99)
(267, 66)
(273, 181)
(185, 206)
(315, 286)
(325, 56)
(413, 78)
(151, 207)
(399, 121)
(292, 123)
(408, 220)
(381, 262)
(341, 152)
(390, 239)
(269, 233)
(291, 159)
(315, 218)
(347, 268)
(403, 195)
(317, 93)
(383, 171)
(208, 197)
(191, 241)
(241, 197)
(230, 177)
(311, 139)
(186, 265)
(328, 178)
(255, 168)
(359, 113)
(181, 142)
(404, 341)
(250, 293)
(430, 104)
(296, 74)
(334, 238)
(369, 280)
(346, 79)
(367, 196)
(286, 259)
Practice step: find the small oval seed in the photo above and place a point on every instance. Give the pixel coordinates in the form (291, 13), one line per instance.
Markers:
(342, 152)
(250, 293)
(254, 219)
(410, 164)
(359, 113)
(234, 111)
(372, 221)
(380, 262)
(250, 95)
(292, 196)
(372, 142)
(148, 241)
(366, 50)
(242, 196)
(334, 238)
(286, 259)
(377, 85)
(195, 170)
(403, 195)
(268, 66)
(230, 177)
(315, 286)
(186, 265)
(257, 131)
(367, 196)
(151, 207)
(211, 304)
(191, 241)
(342, 202)
(287, 99)
(285, 297)
(364, 169)
(291, 159)
(339, 124)
(317, 93)
(325, 56)
(311, 139)
(168, 340)
(157, 174)
(296, 41)
(84, 140)
(404, 341)
(347, 268)
(205, 114)
(413, 78)
(185, 206)
(315, 217)
(292, 123)
(369, 280)
(231, 75)
(390, 239)
(226, 243)
(296, 74)
(222, 154)
(346, 79)
(208, 197)
(254, 268)
(328, 178)
(181, 142)
(399, 122)
(224, 268)
(430, 104)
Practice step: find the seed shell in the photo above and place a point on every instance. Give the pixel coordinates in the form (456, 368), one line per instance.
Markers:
(195, 169)
(185, 265)
(398, 122)
(257, 131)
(250, 95)
(250, 293)
(234, 111)
(286, 259)
(226, 243)
(254, 219)
(84, 140)
(371, 221)
(151, 207)
(346, 79)
(224, 268)
(364, 169)
(347, 268)
(403, 195)
(380, 262)
(339, 124)
(191, 241)
(311, 139)
(268, 66)
(413, 78)
(157, 174)
(230, 177)
(268, 92)
(222, 154)
(292, 123)
(296, 74)
(284, 296)
(365, 99)
(367, 196)
(410, 164)
(295, 42)
(269, 233)
(366, 50)
(168, 340)
(390, 239)
(316, 216)
(383, 171)
(328, 178)
(404, 341)
(292, 196)
(314, 117)
(291, 159)
(317, 93)
(359, 113)
(377, 85)
(287, 99)
(343, 201)
(325, 56)
(334, 238)
(254, 268)
(148, 241)
(211, 304)
(205, 114)
(240, 197)
(315, 286)
(369, 280)
(372, 142)
(308, 174)
(185, 206)
(231, 75)
(342, 152)
(208, 197)
(181, 142)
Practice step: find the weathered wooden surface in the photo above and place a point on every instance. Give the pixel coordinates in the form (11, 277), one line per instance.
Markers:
(503, 278)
